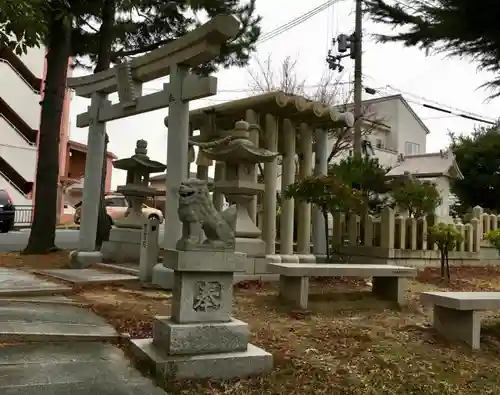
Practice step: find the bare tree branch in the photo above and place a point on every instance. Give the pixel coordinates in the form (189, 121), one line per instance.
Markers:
(329, 90)
(264, 78)
(343, 137)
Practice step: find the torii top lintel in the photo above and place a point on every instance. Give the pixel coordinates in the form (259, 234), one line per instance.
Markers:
(192, 49)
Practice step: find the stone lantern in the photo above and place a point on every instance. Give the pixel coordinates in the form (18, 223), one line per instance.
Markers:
(137, 189)
(239, 186)
(124, 239)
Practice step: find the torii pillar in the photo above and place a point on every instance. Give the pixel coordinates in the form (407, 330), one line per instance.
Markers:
(175, 59)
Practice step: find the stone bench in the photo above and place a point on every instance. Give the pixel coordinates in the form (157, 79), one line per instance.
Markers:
(388, 281)
(457, 314)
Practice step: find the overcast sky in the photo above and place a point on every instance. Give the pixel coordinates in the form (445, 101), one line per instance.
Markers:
(389, 67)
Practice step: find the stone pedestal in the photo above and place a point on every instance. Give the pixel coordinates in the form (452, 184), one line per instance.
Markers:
(124, 245)
(248, 240)
(125, 238)
(201, 339)
(163, 277)
(149, 250)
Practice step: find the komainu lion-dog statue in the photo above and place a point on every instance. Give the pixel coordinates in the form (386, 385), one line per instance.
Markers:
(197, 212)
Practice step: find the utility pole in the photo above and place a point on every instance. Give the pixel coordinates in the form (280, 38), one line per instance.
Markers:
(353, 43)
(358, 78)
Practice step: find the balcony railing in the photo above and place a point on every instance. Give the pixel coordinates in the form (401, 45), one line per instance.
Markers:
(24, 216)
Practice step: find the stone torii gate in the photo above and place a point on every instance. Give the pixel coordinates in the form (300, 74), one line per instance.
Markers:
(173, 59)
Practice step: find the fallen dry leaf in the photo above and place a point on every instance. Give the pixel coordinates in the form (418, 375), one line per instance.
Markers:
(347, 343)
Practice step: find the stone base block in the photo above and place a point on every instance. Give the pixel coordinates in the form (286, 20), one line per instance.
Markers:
(116, 252)
(320, 258)
(253, 361)
(306, 258)
(124, 245)
(203, 260)
(390, 288)
(462, 325)
(260, 265)
(273, 258)
(289, 258)
(196, 338)
(253, 247)
(126, 235)
(163, 277)
(248, 266)
(84, 259)
(295, 291)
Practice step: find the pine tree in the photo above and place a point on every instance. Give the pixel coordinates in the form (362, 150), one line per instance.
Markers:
(55, 20)
(98, 39)
(457, 27)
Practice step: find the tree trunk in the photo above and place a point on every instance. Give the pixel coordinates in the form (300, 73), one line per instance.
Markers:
(59, 204)
(442, 256)
(104, 221)
(325, 218)
(447, 262)
(43, 230)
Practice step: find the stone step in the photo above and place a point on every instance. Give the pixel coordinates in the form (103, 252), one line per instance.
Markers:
(88, 276)
(15, 282)
(70, 368)
(25, 321)
(131, 268)
(89, 388)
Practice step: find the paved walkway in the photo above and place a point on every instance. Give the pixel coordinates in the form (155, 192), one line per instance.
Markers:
(68, 353)
(15, 282)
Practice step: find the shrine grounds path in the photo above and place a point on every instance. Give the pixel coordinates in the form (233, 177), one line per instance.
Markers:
(66, 239)
(347, 343)
(52, 344)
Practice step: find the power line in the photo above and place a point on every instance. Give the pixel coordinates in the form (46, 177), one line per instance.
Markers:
(450, 114)
(436, 106)
(247, 90)
(295, 22)
(435, 102)
(441, 107)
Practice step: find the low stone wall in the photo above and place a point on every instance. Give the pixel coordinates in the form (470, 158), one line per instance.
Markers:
(414, 258)
(488, 251)
(431, 261)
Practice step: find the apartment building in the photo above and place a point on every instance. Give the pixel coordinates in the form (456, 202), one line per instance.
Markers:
(21, 93)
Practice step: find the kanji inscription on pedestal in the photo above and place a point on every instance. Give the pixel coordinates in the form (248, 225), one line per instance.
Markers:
(207, 296)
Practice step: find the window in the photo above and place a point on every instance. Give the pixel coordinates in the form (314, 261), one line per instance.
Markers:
(412, 148)
(378, 143)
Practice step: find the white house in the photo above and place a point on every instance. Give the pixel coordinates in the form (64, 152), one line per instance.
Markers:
(393, 128)
(438, 167)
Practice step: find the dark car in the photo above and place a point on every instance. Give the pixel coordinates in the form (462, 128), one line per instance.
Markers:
(7, 212)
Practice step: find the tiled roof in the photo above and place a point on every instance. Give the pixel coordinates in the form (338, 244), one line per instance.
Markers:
(427, 165)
